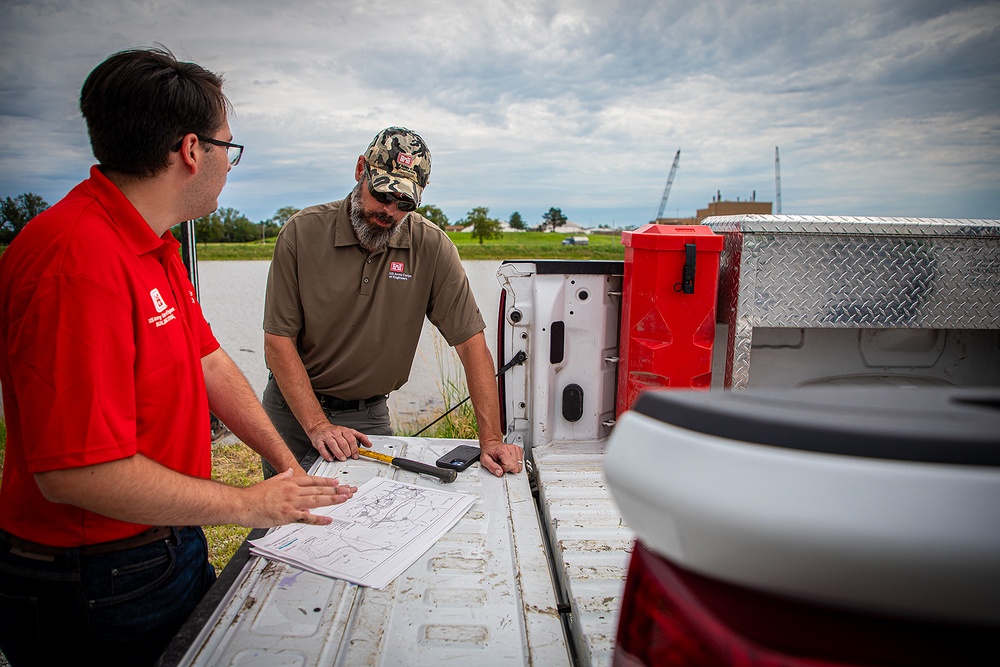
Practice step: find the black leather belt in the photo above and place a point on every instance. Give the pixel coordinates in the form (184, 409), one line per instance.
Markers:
(22, 547)
(334, 404)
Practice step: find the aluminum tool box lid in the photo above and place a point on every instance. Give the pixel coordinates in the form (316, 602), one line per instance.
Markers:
(826, 271)
(854, 225)
(481, 595)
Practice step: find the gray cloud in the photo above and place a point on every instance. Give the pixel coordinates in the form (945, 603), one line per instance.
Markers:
(879, 107)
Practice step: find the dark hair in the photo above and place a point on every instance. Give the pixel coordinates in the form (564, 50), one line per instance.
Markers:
(139, 103)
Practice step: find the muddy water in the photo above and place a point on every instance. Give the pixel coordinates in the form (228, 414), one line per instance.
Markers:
(232, 296)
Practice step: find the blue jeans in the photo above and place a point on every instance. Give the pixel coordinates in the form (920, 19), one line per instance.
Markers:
(120, 608)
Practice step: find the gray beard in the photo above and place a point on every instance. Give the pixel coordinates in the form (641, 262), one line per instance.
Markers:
(370, 236)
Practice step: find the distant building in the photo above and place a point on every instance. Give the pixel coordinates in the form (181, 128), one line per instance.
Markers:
(504, 228)
(675, 221)
(718, 206)
(569, 227)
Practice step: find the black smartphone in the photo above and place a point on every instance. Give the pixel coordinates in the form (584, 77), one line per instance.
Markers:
(459, 458)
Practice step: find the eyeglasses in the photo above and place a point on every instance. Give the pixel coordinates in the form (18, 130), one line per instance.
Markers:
(402, 203)
(233, 151)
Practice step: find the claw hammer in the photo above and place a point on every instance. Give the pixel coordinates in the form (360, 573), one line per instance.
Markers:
(445, 475)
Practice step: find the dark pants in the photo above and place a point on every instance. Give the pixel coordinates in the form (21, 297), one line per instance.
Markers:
(120, 608)
(372, 420)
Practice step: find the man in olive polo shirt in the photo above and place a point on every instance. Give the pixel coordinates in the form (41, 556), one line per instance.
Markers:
(347, 292)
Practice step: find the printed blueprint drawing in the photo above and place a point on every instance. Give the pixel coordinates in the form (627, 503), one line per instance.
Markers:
(374, 536)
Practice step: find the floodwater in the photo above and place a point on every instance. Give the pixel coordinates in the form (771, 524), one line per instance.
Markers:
(232, 297)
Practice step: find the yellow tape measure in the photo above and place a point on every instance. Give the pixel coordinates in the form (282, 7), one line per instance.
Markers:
(385, 458)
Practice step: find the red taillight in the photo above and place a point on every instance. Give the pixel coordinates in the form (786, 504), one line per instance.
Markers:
(673, 617)
(662, 624)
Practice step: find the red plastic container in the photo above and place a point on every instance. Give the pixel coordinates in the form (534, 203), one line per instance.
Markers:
(668, 309)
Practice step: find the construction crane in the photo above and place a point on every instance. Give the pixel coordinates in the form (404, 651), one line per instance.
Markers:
(777, 181)
(670, 181)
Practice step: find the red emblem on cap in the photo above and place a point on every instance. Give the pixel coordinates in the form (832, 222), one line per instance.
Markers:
(396, 267)
(404, 160)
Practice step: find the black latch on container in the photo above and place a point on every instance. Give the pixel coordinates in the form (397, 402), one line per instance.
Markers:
(690, 262)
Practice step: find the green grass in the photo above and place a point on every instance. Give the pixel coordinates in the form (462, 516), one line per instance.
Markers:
(224, 251)
(523, 245)
(235, 465)
(537, 245)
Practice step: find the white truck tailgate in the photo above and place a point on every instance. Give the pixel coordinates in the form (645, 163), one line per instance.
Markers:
(481, 595)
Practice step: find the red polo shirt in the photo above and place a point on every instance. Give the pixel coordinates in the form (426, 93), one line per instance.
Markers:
(101, 340)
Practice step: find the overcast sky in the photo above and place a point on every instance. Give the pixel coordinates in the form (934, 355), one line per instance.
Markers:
(879, 107)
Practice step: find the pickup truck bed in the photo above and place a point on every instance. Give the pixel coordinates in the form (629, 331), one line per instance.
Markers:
(534, 573)
(484, 593)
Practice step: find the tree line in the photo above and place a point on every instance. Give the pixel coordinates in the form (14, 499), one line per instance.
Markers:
(228, 225)
(485, 228)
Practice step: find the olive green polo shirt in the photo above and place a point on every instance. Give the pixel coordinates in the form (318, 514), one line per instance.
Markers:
(356, 315)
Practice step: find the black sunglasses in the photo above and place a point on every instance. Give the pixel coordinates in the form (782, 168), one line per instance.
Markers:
(402, 203)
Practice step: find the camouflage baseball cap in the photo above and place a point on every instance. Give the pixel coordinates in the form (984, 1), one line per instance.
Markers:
(399, 162)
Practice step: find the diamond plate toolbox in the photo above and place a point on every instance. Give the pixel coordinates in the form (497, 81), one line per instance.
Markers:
(854, 272)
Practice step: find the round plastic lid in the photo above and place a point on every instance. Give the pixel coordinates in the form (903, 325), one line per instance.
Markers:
(934, 425)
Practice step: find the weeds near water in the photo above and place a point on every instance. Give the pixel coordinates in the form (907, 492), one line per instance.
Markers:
(461, 422)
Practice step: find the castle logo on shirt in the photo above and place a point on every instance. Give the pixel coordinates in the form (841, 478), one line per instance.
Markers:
(397, 271)
(158, 301)
(164, 312)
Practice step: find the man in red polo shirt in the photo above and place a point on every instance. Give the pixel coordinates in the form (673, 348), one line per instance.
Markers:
(108, 371)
